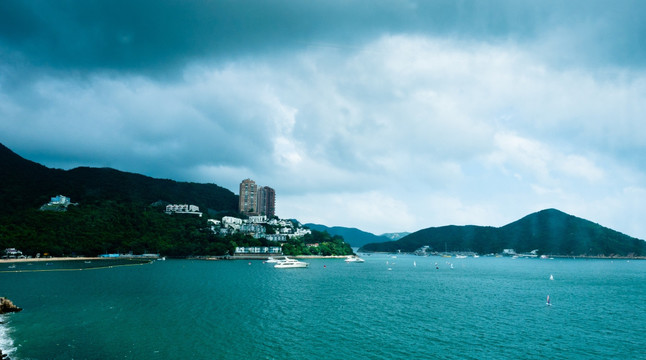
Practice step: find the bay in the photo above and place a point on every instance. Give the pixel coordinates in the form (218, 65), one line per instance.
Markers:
(385, 308)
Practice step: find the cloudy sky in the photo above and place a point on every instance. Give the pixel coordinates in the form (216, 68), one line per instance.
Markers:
(376, 114)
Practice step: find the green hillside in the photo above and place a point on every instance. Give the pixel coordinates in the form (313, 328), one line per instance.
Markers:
(25, 184)
(116, 212)
(550, 231)
(120, 212)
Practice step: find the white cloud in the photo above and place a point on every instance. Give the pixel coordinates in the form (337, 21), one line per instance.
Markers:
(403, 133)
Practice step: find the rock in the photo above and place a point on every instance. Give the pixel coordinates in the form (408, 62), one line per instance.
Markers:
(6, 306)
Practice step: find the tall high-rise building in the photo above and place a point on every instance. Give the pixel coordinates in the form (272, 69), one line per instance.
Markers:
(256, 200)
(247, 203)
(266, 201)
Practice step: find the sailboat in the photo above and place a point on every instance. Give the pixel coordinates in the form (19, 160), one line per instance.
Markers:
(551, 277)
(548, 303)
(414, 263)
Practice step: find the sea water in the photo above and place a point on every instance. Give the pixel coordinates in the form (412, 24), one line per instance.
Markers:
(386, 308)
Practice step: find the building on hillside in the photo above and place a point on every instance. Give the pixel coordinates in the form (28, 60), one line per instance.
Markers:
(266, 201)
(57, 203)
(259, 250)
(253, 229)
(59, 200)
(256, 200)
(214, 222)
(276, 237)
(257, 219)
(183, 209)
(12, 253)
(248, 197)
(231, 222)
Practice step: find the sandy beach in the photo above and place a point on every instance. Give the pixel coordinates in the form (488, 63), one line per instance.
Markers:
(51, 259)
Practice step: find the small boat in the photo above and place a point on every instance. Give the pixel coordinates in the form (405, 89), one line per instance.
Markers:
(354, 258)
(273, 260)
(548, 303)
(290, 264)
(551, 277)
(460, 256)
(12, 266)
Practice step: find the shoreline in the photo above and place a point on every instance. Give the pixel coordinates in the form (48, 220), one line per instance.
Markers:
(64, 258)
(524, 257)
(264, 257)
(92, 258)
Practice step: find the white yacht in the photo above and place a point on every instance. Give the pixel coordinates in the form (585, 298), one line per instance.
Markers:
(354, 258)
(290, 263)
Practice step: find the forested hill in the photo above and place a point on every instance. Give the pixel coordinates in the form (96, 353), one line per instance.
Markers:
(25, 184)
(550, 231)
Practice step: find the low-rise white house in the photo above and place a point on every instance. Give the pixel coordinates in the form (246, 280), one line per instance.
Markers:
(275, 237)
(302, 232)
(59, 200)
(257, 219)
(12, 253)
(183, 209)
(230, 220)
(253, 228)
(259, 250)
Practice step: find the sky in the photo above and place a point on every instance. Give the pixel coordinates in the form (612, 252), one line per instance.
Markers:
(386, 116)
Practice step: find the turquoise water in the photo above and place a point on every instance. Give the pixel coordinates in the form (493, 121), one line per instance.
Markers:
(484, 308)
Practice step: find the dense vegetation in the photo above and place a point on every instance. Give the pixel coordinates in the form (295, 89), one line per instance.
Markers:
(112, 227)
(550, 231)
(26, 185)
(121, 212)
(327, 245)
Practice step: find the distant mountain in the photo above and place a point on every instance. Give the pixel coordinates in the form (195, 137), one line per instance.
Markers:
(550, 231)
(26, 184)
(395, 236)
(354, 237)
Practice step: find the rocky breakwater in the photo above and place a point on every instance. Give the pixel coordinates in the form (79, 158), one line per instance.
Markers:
(6, 306)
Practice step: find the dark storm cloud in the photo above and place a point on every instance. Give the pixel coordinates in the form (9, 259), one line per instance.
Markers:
(379, 114)
(153, 35)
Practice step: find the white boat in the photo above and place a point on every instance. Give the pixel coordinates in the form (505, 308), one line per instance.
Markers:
(354, 258)
(272, 260)
(290, 264)
(460, 256)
